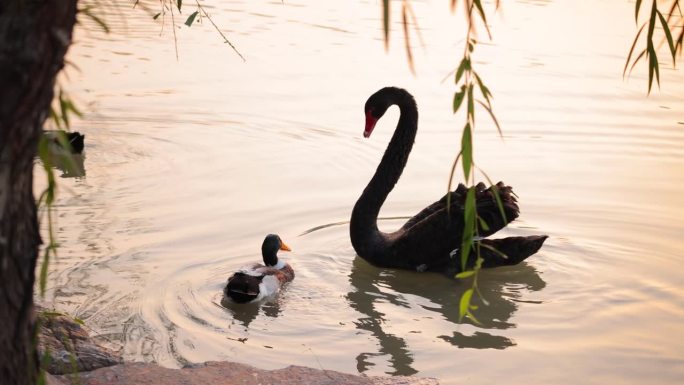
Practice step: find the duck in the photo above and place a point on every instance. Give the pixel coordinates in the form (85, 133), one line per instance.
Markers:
(75, 139)
(254, 282)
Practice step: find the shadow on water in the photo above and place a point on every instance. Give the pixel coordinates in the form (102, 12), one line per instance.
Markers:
(500, 287)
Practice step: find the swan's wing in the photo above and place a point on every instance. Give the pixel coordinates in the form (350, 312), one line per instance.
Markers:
(487, 207)
(437, 231)
(457, 195)
(511, 250)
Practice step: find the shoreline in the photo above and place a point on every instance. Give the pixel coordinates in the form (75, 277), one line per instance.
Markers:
(76, 358)
(225, 372)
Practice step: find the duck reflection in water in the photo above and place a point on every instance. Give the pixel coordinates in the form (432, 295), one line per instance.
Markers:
(71, 165)
(372, 286)
(246, 313)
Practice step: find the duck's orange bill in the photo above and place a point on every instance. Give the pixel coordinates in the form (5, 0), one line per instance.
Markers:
(284, 247)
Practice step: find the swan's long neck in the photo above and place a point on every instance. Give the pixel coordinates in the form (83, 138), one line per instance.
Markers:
(365, 236)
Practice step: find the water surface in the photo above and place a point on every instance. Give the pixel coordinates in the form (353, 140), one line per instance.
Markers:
(189, 163)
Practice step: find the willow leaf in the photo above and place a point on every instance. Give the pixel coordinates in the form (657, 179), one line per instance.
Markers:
(471, 104)
(652, 67)
(385, 21)
(464, 304)
(416, 27)
(650, 72)
(483, 89)
(461, 69)
(497, 196)
(465, 274)
(55, 117)
(89, 13)
(668, 35)
(191, 18)
(471, 317)
(480, 10)
(467, 150)
(458, 99)
(495, 250)
(636, 60)
(42, 280)
(491, 113)
(656, 65)
(483, 224)
(451, 178)
(631, 50)
(63, 109)
(407, 42)
(469, 212)
(652, 23)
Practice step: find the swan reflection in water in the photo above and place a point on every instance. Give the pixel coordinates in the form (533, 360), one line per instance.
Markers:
(500, 287)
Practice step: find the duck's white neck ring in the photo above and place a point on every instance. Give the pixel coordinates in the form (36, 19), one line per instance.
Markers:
(279, 265)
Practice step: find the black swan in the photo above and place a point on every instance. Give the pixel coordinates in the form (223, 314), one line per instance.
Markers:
(257, 281)
(75, 139)
(427, 241)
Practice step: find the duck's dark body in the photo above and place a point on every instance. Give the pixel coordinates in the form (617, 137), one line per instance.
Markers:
(426, 240)
(242, 287)
(75, 139)
(257, 281)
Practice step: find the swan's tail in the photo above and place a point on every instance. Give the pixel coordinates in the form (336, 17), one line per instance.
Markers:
(497, 252)
(509, 251)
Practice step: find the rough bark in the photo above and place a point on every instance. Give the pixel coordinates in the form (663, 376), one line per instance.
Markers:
(34, 37)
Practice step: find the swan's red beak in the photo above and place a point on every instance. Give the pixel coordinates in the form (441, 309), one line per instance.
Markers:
(370, 124)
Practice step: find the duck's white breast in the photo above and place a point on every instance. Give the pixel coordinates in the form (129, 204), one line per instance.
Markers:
(269, 286)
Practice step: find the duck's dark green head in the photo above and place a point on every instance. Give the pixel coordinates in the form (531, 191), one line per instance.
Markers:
(269, 249)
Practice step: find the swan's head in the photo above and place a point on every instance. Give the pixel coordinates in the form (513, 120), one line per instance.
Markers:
(269, 249)
(376, 106)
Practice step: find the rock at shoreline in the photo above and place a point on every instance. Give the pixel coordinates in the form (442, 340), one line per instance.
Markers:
(69, 346)
(228, 373)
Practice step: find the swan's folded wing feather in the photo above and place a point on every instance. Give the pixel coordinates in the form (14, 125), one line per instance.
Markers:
(424, 213)
(439, 232)
(487, 206)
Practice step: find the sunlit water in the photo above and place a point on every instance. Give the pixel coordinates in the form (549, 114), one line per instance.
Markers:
(190, 163)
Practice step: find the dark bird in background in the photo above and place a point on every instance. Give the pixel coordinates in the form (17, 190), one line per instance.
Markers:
(75, 140)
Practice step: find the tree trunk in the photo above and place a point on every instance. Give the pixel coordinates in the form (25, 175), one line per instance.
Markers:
(34, 37)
